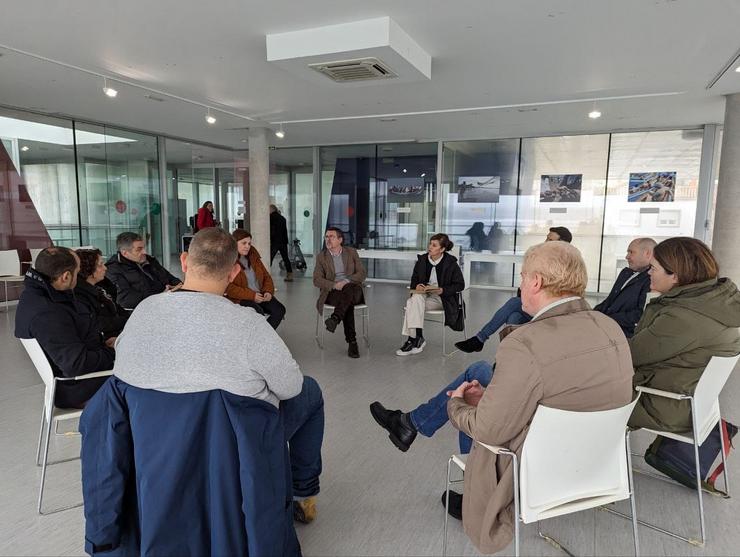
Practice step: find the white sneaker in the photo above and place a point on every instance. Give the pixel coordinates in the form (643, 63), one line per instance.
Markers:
(410, 347)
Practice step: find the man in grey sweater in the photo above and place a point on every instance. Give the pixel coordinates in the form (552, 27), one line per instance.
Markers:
(194, 339)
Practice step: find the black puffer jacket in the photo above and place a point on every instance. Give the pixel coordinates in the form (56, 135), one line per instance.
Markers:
(109, 315)
(65, 329)
(450, 280)
(135, 282)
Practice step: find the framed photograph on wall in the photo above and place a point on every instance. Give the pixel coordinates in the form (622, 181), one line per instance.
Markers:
(406, 190)
(560, 188)
(478, 189)
(652, 187)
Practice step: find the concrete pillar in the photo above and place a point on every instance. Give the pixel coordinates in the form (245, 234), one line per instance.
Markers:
(259, 196)
(726, 237)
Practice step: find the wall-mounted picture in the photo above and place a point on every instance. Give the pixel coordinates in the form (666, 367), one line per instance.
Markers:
(652, 187)
(560, 188)
(405, 190)
(478, 189)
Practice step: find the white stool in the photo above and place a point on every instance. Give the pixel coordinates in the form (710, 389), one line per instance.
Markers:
(364, 317)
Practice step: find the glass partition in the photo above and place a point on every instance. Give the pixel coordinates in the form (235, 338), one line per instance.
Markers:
(652, 191)
(118, 173)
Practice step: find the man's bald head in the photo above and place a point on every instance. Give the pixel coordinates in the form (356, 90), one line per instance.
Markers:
(639, 253)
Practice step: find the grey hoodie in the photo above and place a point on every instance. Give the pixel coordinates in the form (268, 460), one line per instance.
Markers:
(184, 342)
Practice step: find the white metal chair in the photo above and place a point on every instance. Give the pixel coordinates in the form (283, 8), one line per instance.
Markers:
(571, 461)
(438, 316)
(10, 268)
(50, 414)
(364, 317)
(705, 416)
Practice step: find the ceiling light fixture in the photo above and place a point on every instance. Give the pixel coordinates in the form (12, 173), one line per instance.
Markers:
(280, 133)
(109, 91)
(25, 148)
(594, 114)
(404, 171)
(423, 174)
(209, 117)
(737, 69)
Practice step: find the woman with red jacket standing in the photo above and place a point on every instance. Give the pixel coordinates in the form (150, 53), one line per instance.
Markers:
(205, 217)
(253, 287)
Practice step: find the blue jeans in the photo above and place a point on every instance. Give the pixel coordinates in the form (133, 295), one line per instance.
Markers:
(430, 416)
(303, 418)
(511, 312)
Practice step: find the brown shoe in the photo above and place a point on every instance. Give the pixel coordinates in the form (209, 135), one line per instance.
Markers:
(304, 510)
(288, 277)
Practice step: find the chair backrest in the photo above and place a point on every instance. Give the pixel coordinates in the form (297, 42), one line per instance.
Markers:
(34, 254)
(10, 263)
(706, 394)
(41, 363)
(573, 457)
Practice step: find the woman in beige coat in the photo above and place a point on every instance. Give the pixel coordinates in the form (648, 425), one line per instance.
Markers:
(568, 357)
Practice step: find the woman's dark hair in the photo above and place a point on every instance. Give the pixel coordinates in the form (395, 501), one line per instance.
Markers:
(687, 258)
(206, 204)
(240, 234)
(88, 262)
(444, 241)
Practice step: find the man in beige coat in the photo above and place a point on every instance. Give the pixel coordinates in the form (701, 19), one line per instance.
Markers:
(339, 274)
(568, 357)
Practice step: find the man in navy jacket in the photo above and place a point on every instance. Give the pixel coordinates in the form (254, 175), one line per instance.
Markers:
(64, 328)
(626, 300)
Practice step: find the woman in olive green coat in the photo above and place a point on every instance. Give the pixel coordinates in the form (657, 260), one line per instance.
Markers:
(696, 317)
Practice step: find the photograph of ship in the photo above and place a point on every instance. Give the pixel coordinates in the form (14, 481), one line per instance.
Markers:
(478, 189)
(560, 188)
(406, 190)
(652, 187)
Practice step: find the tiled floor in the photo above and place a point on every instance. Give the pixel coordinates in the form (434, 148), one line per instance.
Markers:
(375, 500)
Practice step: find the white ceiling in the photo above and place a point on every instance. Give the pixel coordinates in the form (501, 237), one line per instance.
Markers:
(484, 54)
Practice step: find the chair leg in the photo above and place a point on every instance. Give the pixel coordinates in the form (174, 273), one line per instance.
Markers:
(447, 506)
(724, 461)
(44, 463)
(366, 325)
(41, 435)
(703, 538)
(633, 506)
(319, 330)
(515, 464)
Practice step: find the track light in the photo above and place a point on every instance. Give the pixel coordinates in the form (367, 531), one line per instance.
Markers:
(594, 114)
(209, 117)
(280, 133)
(109, 91)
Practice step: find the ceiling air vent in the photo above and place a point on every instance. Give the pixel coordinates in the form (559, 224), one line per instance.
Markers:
(354, 70)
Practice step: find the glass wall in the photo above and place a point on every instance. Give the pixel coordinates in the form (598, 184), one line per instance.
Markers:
(118, 175)
(291, 190)
(196, 174)
(501, 197)
(383, 197)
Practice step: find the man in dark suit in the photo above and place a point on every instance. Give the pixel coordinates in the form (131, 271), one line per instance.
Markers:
(626, 300)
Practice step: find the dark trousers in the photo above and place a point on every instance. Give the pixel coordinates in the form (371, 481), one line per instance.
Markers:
(303, 418)
(274, 310)
(75, 394)
(283, 249)
(344, 302)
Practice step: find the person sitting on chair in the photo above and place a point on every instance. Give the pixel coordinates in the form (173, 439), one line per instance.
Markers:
(696, 316)
(435, 284)
(511, 312)
(626, 301)
(64, 328)
(536, 364)
(253, 287)
(339, 275)
(136, 274)
(91, 291)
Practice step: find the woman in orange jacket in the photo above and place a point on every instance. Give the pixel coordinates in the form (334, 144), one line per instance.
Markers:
(253, 287)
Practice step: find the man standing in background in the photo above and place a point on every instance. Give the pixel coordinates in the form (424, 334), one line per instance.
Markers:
(279, 240)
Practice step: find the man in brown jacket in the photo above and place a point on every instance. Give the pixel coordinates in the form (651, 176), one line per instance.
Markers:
(568, 357)
(339, 275)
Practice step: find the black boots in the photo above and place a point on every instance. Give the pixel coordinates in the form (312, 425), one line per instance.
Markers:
(401, 431)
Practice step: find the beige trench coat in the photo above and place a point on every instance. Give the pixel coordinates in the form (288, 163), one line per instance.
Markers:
(570, 358)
